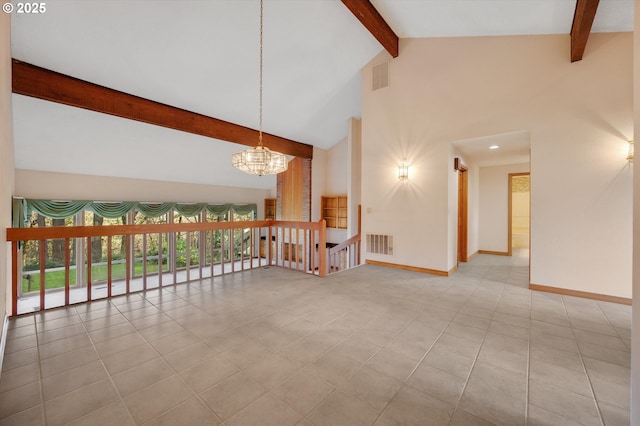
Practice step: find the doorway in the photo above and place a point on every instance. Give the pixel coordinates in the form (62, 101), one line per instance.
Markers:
(463, 194)
(519, 214)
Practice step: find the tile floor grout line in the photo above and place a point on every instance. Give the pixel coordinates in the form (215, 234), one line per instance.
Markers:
(93, 345)
(584, 367)
(371, 357)
(404, 383)
(176, 373)
(335, 387)
(475, 359)
(40, 378)
(610, 323)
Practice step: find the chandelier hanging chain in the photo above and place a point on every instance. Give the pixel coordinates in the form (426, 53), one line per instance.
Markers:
(260, 160)
(260, 85)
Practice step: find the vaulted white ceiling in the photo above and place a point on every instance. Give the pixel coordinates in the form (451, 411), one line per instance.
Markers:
(203, 56)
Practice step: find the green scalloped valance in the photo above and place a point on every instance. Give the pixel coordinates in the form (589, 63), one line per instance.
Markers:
(154, 210)
(22, 209)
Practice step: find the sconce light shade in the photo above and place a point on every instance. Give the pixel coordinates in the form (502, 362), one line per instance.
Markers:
(403, 172)
(630, 154)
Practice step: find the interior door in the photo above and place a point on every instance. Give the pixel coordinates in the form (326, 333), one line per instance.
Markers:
(462, 213)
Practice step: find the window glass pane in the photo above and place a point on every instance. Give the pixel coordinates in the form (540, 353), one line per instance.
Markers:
(181, 242)
(54, 258)
(152, 246)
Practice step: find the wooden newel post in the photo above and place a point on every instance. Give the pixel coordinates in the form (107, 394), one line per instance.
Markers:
(322, 248)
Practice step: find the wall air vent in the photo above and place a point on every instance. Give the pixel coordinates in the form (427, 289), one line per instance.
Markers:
(380, 244)
(380, 76)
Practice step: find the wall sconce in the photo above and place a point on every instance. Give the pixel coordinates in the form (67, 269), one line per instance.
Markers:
(630, 154)
(403, 171)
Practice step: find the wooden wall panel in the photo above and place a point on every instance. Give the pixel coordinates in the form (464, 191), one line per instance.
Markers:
(294, 191)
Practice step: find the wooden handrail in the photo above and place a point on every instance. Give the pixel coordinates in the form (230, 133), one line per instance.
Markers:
(343, 245)
(344, 255)
(294, 224)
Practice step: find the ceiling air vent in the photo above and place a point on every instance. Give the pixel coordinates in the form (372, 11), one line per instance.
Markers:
(380, 76)
(380, 244)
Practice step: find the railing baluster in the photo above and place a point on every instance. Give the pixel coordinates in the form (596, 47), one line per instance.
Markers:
(144, 261)
(299, 251)
(109, 265)
(160, 260)
(222, 249)
(67, 262)
(43, 261)
(269, 244)
(305, 247)
(213, 252)
(89, 268)
(259, 236)
(188, 260)
(314, 250)
(242, 249)
(232, 249)
(173, 248)
(127, 263)
(289, 250)
(252, 242)
(14, 277)
(202, 257)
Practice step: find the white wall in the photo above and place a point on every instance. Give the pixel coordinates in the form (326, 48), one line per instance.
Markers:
(579, 116)
(494, 206)
(6, 164)
(336, 182)
(337, 169)
(66, 186)
(635, 329)
(473, 220)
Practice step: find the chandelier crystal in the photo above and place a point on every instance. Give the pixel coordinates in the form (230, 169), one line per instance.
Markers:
(260, 160)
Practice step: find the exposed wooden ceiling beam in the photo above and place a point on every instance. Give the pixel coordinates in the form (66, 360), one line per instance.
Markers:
(31, 80)
(375, 23)
(581, 28)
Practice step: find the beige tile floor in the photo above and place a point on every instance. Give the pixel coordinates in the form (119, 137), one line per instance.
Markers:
(366, 346)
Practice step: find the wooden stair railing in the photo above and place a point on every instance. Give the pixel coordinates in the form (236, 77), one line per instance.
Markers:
(344, 255)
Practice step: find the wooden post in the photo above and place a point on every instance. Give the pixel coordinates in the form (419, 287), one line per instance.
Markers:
(322, 249)
(359, 231)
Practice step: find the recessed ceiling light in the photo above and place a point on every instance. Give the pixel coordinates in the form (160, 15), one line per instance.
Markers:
(494, 147)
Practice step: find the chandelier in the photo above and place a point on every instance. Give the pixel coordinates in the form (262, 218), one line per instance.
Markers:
(260, 160)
